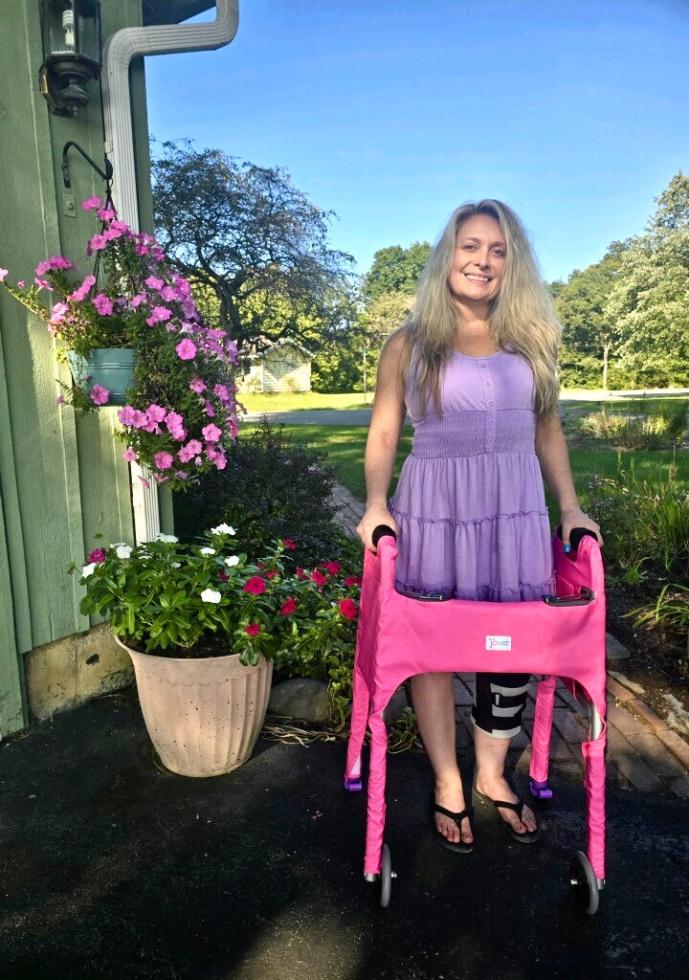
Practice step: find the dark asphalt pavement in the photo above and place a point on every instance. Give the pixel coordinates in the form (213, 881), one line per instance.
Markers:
(116, 869)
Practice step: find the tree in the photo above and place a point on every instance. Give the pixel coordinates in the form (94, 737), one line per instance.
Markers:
(588, 330)
(247, 234)
(672, 212)
(395, 270)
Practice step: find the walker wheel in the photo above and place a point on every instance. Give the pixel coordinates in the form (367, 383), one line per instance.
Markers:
(386, 876)
(583, 880)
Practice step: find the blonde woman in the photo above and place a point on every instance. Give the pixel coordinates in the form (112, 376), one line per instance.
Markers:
(475, 368)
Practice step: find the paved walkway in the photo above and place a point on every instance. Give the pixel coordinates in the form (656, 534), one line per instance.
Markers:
(643, 752)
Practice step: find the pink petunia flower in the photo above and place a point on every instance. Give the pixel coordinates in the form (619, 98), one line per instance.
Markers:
(160, 314)
(103, 304)
(154, 283)
(156, 412)
(126, 415)
(129, 455)
(106, 214)
(209, 410)
(137, 300)
(99, 395)
(81, 292)
(57, 314)
(186, 350)
(211, 432)
(97, 243)
(92, 203)
(163, 461)
(197, 385)
(220, 461)
(3, 274)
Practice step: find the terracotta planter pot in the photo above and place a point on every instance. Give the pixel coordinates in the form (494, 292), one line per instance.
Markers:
(203, 716)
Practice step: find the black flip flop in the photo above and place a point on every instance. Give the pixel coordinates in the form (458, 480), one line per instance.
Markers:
(529, 836)
(460, 846)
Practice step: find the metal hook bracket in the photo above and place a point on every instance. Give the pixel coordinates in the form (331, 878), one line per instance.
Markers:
(105, 175)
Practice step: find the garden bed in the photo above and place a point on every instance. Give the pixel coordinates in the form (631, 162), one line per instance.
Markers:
(657, 660)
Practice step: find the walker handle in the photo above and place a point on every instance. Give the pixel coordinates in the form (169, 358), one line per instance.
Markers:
(382, 531)
(576, 535)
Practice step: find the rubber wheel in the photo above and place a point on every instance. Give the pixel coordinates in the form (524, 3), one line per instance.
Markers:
(385, 878)
(584, 882)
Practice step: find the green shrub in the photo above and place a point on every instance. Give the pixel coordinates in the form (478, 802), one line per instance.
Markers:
(271, 488)
(661, 429)
(643, 519)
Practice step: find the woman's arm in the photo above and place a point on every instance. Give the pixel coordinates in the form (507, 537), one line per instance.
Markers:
(383, 439)
(551, 449)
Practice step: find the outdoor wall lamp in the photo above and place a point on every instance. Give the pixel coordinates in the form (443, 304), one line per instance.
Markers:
(71, 52)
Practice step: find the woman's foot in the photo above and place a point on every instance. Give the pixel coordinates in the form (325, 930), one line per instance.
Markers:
(497, 788)
(450, 796)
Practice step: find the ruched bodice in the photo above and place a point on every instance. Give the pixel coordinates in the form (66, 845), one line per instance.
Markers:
(470, 502)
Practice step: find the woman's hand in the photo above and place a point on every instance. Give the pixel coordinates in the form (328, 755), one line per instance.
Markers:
(575, 517)
(373, 516)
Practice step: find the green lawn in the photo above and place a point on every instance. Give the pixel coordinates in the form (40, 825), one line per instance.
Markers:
(289, 402)
(344, 446)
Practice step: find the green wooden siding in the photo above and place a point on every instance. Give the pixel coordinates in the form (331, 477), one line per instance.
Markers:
(62, 479)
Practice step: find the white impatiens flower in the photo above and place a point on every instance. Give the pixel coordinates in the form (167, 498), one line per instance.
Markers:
(123, 551)
(88, 569)
(176, 564)
(232, 561)
(210, 595)
(166, 538)
(223, 529)
(207, 551)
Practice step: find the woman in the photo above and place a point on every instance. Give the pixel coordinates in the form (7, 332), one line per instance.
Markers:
(475, 367)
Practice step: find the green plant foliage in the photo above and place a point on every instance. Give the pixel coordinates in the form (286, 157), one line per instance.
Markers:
(661, 429)
(643, 519)
(272, 487)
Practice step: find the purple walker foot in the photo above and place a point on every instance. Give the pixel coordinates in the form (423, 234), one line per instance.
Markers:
(540, 789)
(353, 785)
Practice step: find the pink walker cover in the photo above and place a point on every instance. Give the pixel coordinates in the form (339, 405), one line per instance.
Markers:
(399, 636)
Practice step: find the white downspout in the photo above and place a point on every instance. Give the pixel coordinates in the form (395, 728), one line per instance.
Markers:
(118, 52)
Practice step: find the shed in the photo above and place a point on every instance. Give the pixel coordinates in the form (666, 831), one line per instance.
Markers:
(283, 365)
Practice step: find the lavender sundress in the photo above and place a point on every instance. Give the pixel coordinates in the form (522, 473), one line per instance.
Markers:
(470, 503)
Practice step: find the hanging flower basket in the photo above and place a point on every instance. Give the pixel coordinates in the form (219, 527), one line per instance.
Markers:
(106, 373)
(178, 410)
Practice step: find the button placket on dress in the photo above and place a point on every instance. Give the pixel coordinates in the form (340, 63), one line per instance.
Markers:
(489, 403)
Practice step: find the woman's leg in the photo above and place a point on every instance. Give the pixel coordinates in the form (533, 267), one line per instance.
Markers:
(497, 712)
(434, 706)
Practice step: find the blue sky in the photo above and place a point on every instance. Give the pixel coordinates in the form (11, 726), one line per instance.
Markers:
(573, 112)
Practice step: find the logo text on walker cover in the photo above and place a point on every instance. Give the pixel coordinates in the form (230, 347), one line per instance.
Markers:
(498, 643)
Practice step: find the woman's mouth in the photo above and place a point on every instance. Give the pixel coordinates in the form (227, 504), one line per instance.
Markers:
(475, 278)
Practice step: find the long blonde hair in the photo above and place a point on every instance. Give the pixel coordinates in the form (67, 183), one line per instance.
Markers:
(520, 317)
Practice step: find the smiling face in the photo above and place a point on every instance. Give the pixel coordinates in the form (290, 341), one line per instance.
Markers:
(479, 260)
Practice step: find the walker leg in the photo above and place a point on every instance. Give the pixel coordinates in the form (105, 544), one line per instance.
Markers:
(375, 809)
(540, 741)
(593, 752)
(360, 705)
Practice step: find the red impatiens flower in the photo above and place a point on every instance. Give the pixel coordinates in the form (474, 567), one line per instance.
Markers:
(253, 629)
(300, 573)
(272, 573)
(256, 585)
(352, 580)
(288, 544)
(319, 578)
(332, 566)
(288, 607)
(348, 608)
(97, 556)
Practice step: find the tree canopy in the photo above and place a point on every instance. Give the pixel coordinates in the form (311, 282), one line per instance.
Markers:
(247, 234)
(395, 270)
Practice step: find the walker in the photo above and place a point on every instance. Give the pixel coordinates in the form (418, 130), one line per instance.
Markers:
(559, 636)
